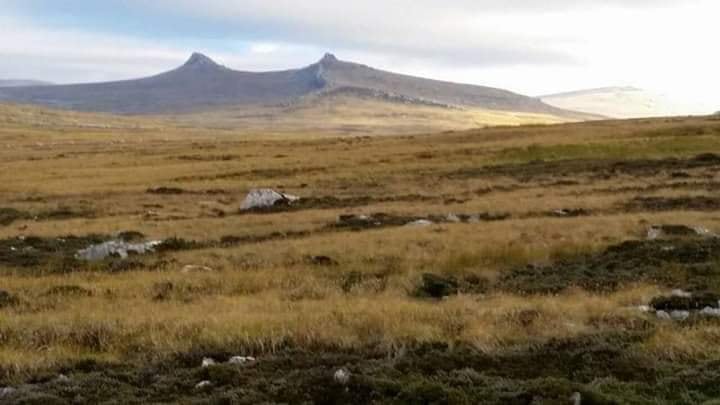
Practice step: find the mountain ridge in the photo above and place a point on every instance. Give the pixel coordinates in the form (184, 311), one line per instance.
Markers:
(203, 84)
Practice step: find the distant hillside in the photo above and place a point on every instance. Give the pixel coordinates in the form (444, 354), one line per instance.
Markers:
(202, 85)
(617, 102)
(23, 83)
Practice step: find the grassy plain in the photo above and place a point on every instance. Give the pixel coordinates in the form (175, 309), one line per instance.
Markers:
(502, 335)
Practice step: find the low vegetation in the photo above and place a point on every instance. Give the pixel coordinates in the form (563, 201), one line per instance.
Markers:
(526, 274)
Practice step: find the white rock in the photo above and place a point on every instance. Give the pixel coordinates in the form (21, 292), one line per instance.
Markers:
(115, 248)
(654, 233)
(207, 362)
(644, 308)
(710, 311)
(265, 198)
(62, 378)
(663, 315)
(342, 376)
(420, 223)
(453, 218)
(6, 392)
(203, 385)
(680, 293)
(241, 360)
(576, 398)
(679, 315)
(191, 268)
(702, 231)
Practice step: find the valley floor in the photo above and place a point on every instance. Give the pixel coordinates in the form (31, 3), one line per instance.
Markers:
(526, 275)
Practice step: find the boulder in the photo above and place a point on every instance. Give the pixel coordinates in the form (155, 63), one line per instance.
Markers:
(207, 362)
(7, 392)
(266, 198)
(115, 248)
(202, 385)
(193, 268)
(679, 315)
(342, 376)
(239, 360)
(421, 223)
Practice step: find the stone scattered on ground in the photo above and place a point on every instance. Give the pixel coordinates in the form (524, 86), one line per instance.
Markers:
(115, 248)
(239, 360)
(681, 305)
(342, 376)
(207, 362)
(62, 379)
(203, 385)
(570, 212)
(377, 220)
(193, 268)
(264, 198)
(661, 231)
(421, 223)
(7, 392)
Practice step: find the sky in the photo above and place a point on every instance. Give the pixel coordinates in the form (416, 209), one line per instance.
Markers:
(533, 47)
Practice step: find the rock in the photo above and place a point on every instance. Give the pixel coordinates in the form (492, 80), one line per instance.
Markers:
(709, 311)
(266, 198)
(7, 392)
(115, 248)
(192, 268)
(659, 231)
(203, 385)
(453, 218)
(686, 301)
(663, 315)
(238, 360)
(680, 293)
(62, 379)
(342, 376)
(570, 212)
(679, 315)
(576, 398)
(207, 362)
(644, 308)
(421, 223)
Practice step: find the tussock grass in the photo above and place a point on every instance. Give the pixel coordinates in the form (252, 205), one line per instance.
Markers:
(262, 297)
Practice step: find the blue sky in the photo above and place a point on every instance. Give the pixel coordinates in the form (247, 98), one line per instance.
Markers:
(533, 47)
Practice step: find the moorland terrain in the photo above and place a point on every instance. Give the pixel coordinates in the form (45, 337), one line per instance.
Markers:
(535, 264)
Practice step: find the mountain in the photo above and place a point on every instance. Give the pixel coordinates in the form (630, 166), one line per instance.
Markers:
(618, 102)
(202, 85)
(23, 83)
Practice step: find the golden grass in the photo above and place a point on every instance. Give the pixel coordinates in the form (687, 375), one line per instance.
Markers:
(264, 295)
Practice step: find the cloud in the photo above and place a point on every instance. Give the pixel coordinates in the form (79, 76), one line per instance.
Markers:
(528, 46)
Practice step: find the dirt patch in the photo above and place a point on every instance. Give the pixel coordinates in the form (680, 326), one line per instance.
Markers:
(694, 203)
(68, 291)
(269, 173)
(330, 202)
(690, 302)
(601, 369)
(437, 286)
(165, 190)
(690, 263)
(601, 169)
(10, 215)
(8, 300)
